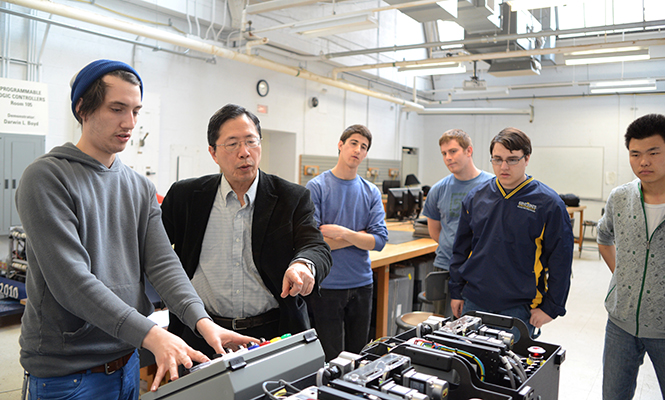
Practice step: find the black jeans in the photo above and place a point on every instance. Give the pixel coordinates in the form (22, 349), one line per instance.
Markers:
(342, 318)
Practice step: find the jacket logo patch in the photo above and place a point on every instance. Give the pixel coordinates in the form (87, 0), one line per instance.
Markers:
(525, 205)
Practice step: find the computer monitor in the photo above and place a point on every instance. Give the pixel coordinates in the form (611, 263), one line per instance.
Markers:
(415, 202)
(404, 203)
(397, 201)
(387, 184)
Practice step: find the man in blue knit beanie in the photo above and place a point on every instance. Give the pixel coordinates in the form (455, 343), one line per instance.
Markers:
(94, 232)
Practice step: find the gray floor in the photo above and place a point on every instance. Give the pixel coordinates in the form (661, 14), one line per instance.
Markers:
(580, 332)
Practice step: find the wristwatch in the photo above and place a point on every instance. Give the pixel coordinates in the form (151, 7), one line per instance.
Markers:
(310, 264)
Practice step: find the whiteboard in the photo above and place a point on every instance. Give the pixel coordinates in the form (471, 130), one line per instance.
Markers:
(577, 170)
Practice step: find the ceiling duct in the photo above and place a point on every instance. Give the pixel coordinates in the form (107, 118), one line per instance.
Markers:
(515, 67)
(520, 22)
(511, 23)
(201, 46)
(548, 22)
(444, 10)
(478, 16)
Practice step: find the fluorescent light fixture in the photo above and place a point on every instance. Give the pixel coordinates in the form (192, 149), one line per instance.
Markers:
(443, 68)
(523, 5)
(488, 91)
(623, 86)
(607, 55)
(335, 25)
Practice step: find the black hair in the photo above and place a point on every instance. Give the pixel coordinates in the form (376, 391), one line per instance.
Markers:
(228, 112)
(646, 126)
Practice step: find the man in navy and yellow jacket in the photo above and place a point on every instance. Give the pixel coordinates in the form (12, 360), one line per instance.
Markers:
(514, 245)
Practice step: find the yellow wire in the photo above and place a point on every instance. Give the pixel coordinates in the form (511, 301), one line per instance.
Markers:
(439, 346)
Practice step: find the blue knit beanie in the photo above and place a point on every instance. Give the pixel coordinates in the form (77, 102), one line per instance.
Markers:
(93, 71)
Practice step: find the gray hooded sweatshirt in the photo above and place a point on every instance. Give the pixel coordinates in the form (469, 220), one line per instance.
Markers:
(92, 233)
(635, 300)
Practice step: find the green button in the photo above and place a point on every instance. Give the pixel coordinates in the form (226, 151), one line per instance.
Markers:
(284, 336)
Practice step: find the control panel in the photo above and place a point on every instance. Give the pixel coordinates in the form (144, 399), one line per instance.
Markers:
(241, 375)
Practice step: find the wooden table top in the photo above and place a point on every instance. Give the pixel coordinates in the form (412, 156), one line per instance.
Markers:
(393, 253)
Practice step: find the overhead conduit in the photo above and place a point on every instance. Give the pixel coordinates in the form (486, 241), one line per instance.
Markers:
(197, 45)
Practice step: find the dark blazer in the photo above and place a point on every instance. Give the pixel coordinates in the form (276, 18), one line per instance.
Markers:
(283, 229)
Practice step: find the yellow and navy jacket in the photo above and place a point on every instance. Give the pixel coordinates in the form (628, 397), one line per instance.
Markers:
(513, 248)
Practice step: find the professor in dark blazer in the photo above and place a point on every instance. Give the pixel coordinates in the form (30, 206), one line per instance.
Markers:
(247, 239)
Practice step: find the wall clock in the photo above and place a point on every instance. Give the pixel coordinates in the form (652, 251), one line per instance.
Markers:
(262, 88)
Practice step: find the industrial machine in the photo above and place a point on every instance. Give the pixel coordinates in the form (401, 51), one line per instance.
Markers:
(12, 280)
(243, 374)
(473, 357)
(17, 261)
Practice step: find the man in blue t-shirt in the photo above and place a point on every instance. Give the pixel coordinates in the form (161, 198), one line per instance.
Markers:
(444, 200)
(350, 214)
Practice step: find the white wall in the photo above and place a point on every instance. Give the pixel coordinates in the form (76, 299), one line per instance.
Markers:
(191, 90)
(562, 122)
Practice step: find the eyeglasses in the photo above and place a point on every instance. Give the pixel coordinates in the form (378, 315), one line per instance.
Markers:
(509, 161)
(252, 143)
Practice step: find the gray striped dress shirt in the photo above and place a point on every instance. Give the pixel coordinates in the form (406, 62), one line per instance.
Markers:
(227, 279)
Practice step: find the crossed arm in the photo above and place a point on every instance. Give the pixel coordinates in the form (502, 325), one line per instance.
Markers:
(339, 237)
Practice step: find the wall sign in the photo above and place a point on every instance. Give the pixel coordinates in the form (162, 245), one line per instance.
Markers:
(24, 107)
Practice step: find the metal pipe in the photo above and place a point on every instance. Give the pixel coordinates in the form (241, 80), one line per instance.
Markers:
(50, 22)
(500, 55)
(148, 32)
(470, 111)
(5, 47)
(41, 51)
(417, 3)
(256, 42)
(152, 33)
(30, 54)
(196, 18)
(212, 21)
(439, 102)
(421, 101)
(226, 7)
(497, 39)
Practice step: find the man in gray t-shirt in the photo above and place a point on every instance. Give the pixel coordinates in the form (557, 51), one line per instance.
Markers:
(444, 200)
